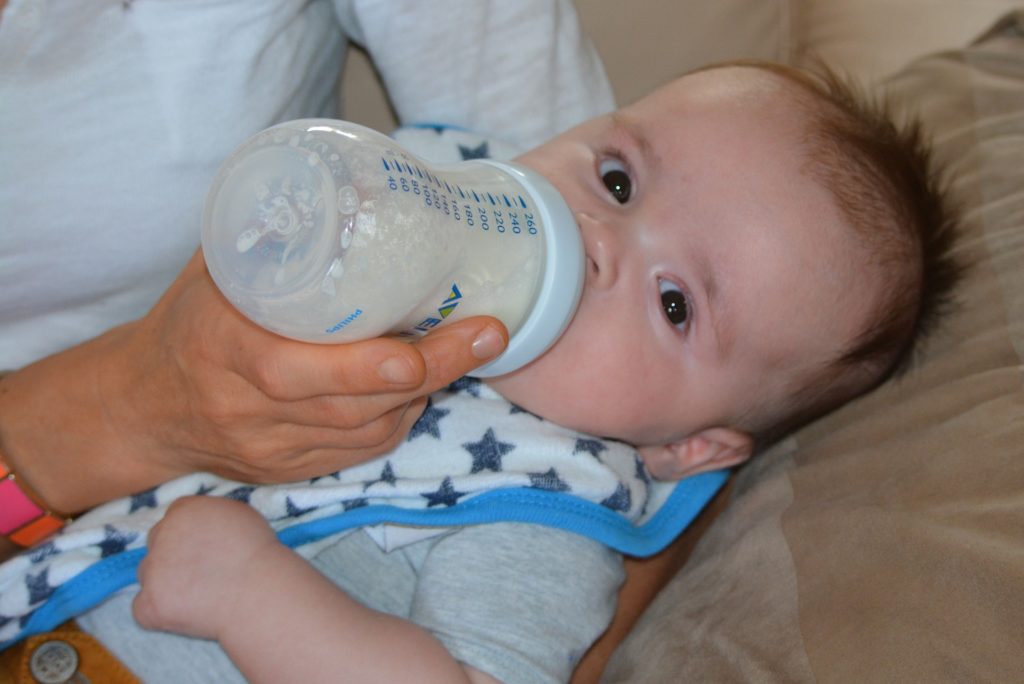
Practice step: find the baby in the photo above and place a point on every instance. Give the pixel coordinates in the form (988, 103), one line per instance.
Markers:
(760, 249)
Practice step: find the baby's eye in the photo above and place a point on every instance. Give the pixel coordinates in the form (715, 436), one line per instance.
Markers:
(616, 179)
(674, 303)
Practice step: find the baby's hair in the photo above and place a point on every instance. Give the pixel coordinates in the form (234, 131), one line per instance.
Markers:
(885, 182)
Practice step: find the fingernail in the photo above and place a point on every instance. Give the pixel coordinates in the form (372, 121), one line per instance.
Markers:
(488, 344)
(397, 370)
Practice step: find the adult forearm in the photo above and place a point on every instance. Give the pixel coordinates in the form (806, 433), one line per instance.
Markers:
(57, 435)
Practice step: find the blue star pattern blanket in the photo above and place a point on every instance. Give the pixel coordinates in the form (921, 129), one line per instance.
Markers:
(472, 458)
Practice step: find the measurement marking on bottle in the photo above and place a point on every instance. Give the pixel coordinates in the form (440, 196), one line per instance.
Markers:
(399, 180)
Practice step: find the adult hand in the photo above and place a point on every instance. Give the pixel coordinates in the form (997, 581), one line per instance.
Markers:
(195, 386)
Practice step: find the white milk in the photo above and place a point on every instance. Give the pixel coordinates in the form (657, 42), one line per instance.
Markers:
(329, 232)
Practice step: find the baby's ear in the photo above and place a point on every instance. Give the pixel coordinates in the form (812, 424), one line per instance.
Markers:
(710, 449)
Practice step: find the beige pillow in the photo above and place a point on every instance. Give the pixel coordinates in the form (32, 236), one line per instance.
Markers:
(885, 543)
(874, 38)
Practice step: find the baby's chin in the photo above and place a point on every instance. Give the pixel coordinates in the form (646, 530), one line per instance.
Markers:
(557, 387)
(518, 389)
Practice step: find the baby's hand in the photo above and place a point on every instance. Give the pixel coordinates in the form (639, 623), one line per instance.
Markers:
(199, 558)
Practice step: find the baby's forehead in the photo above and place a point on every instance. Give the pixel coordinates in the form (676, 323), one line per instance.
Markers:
(763, 107)
(749, 84)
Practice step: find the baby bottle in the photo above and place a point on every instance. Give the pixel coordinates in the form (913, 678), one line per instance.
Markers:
(327, 231)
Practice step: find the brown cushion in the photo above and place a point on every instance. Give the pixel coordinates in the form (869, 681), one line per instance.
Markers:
(885, 543)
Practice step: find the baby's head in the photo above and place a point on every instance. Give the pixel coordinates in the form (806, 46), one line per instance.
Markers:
(761, 248)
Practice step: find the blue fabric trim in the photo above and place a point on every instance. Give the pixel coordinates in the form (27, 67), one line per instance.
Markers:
(535, 506)
(82, 593)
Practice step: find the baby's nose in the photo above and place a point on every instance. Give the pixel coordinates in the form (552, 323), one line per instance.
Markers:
(601, 248)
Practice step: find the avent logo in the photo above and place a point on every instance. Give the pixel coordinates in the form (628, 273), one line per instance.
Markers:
(345, 321)
(444, 311)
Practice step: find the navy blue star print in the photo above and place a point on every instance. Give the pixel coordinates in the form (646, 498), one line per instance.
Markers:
(146, 499)
(519, 409)
(488, 452)
(42, 552)
(478, 152)
(204, 489)
(387, 476)
(549, 481)
(241, 493)
(468, 385)
(641, 471)
(645, 477)
(446, 495)
(293, 510)
(38, 586)
(354, 503)
(594, 447)
(428, 422)
(115, 541)
(620, 500)
(336, 475)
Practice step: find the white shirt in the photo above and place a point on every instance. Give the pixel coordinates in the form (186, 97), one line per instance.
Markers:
(115, 114)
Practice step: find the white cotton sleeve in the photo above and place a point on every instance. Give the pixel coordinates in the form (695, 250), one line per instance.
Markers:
(521, 71)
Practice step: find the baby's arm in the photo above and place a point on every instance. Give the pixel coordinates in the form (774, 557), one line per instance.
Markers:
(216, 570)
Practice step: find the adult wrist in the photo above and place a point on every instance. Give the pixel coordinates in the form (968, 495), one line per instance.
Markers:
(73, 425)
(25, 517)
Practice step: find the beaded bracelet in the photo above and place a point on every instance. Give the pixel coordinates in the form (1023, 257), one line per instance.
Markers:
(24, 518)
